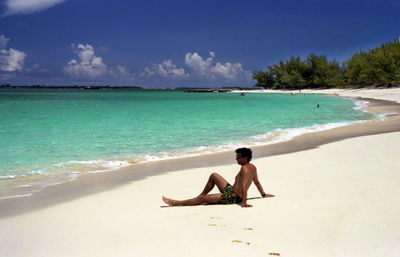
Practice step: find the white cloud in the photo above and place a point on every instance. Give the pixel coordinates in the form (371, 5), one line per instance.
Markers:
(28, 6)
(198, 64)
(165, 69)
(229, 70)
(121, 72)
(206, 67)
(11, 60)
(201, 70)
(3, 41)
(88, 65)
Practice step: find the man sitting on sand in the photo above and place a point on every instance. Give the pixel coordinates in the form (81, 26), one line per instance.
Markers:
(229, 194)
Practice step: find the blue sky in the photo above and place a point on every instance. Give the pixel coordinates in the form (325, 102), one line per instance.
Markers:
(158, 43)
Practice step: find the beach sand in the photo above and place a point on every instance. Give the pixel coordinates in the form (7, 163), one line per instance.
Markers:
(389, 94)
(339, 197)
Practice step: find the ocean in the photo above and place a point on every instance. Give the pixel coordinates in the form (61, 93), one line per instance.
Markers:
(51, 136)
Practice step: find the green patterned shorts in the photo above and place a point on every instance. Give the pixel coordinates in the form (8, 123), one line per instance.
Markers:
(228, 196)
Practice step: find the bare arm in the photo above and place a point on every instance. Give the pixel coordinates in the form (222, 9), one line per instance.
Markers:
(258, 185)
(246, 179)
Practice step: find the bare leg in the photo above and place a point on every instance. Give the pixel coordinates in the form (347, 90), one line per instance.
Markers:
(204, 197)
(201, 199)
(214, 179)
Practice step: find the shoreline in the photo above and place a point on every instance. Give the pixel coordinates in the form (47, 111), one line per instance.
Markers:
(98, 182)
(23, 174)
(70, 172)
(389, 94)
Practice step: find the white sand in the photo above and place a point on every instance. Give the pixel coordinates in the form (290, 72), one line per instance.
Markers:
(342, 199)
(390, 94)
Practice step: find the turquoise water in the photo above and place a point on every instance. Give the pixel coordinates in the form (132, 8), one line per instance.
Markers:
(50, 136)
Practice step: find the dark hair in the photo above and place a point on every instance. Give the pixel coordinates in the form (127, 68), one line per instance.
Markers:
(245, 152)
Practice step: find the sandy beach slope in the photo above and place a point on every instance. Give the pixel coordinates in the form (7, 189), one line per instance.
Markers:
(341, 198)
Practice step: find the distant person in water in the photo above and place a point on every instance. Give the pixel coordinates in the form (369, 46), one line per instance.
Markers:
(317, 106)
(229, 194)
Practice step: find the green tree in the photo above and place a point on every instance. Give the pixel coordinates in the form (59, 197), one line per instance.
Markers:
(264, 79)
(324, 73)
(377, 67)
(290, 74)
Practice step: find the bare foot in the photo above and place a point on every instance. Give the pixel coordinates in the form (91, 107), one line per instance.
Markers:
(168, 201)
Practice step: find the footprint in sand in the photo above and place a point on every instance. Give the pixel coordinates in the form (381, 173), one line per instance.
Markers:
(216, 225)
(215, 218)
(275, 254)
(240, 242)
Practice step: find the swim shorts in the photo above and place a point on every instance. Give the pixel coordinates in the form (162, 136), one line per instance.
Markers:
(228, 196)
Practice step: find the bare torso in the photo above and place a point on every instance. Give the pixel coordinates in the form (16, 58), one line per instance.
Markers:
(243, 179)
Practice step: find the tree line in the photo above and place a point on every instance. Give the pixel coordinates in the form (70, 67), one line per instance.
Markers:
(377, 67)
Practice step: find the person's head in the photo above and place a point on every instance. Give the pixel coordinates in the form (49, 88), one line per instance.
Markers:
(243, 153)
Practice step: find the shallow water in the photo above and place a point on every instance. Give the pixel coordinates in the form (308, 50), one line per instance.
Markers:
(50, 136)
